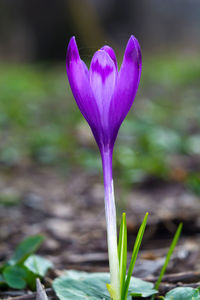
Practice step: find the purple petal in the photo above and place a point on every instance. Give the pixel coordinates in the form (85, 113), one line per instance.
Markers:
(78, 76)
(103, 76)
(127, 84)
(111, 53)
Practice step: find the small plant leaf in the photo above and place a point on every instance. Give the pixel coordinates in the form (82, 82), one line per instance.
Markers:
(183, 293)
(15, 277)
(139, 287)
(38, 265)
(92, 286)
(75, 285)
(28, 246)
(30, 279)
(2, 282)
(169, 254)
(134, 255)
(122, 252)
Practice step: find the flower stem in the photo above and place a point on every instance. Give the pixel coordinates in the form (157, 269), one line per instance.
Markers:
(110, 212)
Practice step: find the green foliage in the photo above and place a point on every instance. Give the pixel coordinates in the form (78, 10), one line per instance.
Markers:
(140, 288)
(183, 293)
(38, 265)
(9, 199)
(193, 183)
(25, 248)
(2, 281)
(172, 71)
(24, 267)
(79, 285)
(126, 279)
(15, 277)
(169, 254)
(122, 253)
(92, 286)
(136, 248)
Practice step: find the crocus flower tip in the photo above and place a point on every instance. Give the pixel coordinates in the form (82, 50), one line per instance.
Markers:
(133, 37)
(72, 42)
(111, 53)
(133, 52)
(72, 51)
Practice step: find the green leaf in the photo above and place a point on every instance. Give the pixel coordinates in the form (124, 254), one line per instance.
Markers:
(183, 293)
(134, 255)
(169, 254)
(30, 279)
(79, 285)
(26, 248)
(38, 265)
(15, 277)
(75, 285)
(141, 288)
(1, 279)
(122, 252)
(2, 282)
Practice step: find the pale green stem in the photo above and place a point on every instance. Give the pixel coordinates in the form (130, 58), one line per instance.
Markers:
(110, 212)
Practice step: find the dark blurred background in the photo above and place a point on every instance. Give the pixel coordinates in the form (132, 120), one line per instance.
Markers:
(39, 30)
(50, 177)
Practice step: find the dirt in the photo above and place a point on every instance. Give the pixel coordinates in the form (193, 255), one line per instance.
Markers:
(69, 210)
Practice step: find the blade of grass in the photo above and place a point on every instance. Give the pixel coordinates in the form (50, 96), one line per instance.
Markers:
(134, 256)
(122, 251)
(120, 240)
(168, 256)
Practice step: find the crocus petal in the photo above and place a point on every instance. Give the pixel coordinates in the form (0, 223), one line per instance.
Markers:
(78, 76)
(103, 76)
(127, 85)
(111, 53)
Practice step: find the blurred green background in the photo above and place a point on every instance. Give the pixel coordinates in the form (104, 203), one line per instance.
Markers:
(39, 121)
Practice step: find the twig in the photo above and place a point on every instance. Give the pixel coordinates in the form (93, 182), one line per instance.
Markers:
(31, 296)
(184, 277)
(40, 293)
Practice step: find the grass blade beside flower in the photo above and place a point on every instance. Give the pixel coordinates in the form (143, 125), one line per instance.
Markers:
(169, 254)
(122, 252)
(134, 256)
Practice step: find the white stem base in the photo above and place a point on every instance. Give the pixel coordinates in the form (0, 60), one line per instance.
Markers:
(110, 211)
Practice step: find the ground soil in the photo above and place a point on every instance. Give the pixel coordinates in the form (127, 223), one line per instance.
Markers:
(69, 210)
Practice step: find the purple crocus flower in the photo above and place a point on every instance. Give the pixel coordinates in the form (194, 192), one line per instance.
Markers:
(104, 96)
